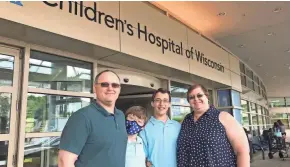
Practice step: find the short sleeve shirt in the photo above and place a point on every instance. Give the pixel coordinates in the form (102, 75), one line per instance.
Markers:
(135, 155)
(96, 136)
(160, 141)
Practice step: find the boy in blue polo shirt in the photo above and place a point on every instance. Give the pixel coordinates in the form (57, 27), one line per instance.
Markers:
(135, 121)
(160, 133)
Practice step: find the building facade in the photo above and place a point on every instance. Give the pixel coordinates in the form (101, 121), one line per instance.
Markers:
(51, 51)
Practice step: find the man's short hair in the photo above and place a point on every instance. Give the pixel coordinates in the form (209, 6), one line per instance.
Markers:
(138, 111)
(97, 77)
(163, 91)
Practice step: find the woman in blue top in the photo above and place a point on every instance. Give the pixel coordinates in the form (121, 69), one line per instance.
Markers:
(209, 137)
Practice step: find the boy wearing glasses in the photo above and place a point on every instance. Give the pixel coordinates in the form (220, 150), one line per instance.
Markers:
(135, 122)
(96, 134)
(160, 133)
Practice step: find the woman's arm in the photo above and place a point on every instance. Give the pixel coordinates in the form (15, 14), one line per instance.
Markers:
(237, 138)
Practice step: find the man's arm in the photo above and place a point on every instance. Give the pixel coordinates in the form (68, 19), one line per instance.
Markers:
(237, 138)
(66, 159)
(73, 139)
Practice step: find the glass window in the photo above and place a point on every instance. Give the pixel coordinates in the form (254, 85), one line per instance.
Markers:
(179, 93)
(253, 108)
(179, 112)
(256, 79)
(249, 73)
(242, 68)
(5, 109)
(243, 80)
(3, 153)
(259, 110)
(254, 120)
(6, 70)
(236, 98)
(59, 73)
(238, 115)
(287, 102)
(180, 106)
(260, 119)
(250, 84)
(256, 88)
(277, 102)
(245, 119)
(245, 106)
(210, 98)
(41, 151)
(224, 98)
(49, 113)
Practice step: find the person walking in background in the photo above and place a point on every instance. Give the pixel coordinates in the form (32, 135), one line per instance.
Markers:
(209, 137)
(135, 122)
(160, 133)
(282, 128)
(96, 135)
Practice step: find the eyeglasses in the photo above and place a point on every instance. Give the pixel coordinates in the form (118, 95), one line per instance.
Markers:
(199, 96)
(107, 84)
(165, 101)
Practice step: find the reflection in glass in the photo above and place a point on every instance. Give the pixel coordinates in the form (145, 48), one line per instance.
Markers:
(259, 109)
(6, 70)
(277, 102)
(59, 73)
(41, 152)
(179, 93)
(5, 108)
(287, 101)
(244, 105)
(180, 106)
(224, 98)
(254, 120)
(3, 153)
(236, 98)
(245, 119)
(260, 119)
(253, 108)
(179, 112)
(49, 113)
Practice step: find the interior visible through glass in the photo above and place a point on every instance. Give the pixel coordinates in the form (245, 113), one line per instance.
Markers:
(49, 113)
(41, 152)
(3, 153)
(59, 73)
(6, 70)
(5, 109)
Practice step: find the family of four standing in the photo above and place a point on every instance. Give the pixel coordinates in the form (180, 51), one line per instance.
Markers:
(101, 135)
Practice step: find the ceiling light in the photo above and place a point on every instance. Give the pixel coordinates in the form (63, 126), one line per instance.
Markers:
(260, 65)
(241, 46)
(274, 76)
(270, 34)
(221, 14)
(288, 50)
(276, 10)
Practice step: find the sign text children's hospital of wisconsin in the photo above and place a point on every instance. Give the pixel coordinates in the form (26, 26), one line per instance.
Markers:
(165, 44)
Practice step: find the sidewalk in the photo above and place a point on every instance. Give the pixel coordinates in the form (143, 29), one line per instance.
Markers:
(275, 162)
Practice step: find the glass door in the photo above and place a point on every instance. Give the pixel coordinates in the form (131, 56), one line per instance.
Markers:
(9, 72)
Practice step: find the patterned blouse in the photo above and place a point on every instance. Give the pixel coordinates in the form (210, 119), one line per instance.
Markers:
(204, 143)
